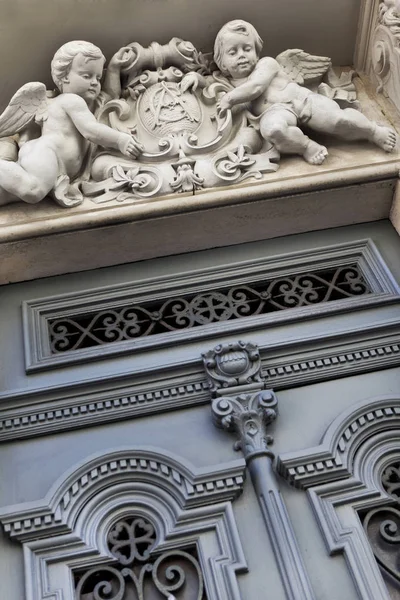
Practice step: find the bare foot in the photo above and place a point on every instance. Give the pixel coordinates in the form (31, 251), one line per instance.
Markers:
(315, 154)
(385, 138)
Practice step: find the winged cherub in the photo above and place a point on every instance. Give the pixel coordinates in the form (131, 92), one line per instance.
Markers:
(281, 103)
(51, 161)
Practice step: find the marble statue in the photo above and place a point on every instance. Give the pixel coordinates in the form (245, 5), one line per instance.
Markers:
(49, 162)
(282, 105)
(166, 121)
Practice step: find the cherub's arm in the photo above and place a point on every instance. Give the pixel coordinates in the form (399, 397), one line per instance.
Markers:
(96, 132)
(193, 80)
(112, 80)
(264, 72)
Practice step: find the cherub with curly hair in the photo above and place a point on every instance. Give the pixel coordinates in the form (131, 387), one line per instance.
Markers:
(50, 162)
(281, 103)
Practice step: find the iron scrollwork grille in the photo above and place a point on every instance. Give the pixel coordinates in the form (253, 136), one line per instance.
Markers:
(382, 526)
(139, 572)
(195, 310)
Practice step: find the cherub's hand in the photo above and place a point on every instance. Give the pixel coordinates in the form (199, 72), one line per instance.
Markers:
(223, 105)
(129, 146)
(191, 80)
(121, 59)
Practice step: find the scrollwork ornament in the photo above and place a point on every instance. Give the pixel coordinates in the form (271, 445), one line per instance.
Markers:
(385, 54)
(111, 584)
(391, 480)
(382, 48)
(389, 15)
(228, 366)
(138, 573)
(132, 183)
(175, 574)
(236, 166)
(382, 526)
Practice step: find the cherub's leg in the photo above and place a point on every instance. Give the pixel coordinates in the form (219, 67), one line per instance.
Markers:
(348, 123)
(279, 126)
(33, 176)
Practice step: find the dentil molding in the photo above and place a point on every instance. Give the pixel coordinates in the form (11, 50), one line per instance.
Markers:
(174, 387)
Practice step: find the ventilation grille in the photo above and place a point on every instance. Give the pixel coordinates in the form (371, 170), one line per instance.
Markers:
(122, 323)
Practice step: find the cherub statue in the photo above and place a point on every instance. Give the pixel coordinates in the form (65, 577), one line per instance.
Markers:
(48, 163)
(281, 104)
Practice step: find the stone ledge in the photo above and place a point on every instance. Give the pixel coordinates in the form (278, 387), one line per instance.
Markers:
(355, 185)
(122, 236)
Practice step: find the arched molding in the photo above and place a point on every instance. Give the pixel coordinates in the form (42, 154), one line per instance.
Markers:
(188, 506)
(332, 459)
(189, 486)
(343, 476)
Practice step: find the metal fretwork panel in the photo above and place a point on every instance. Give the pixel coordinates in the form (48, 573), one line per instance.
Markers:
(196, 310)
(139, 571)
(382, 526)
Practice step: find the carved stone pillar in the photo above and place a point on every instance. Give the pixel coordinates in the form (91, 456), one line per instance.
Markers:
(384, 48)
(243, 406)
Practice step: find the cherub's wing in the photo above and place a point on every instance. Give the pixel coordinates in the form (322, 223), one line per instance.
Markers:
(27, 105)
(302, 67)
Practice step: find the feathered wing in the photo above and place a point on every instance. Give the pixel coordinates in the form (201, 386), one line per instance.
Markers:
(302, 67)
(28, 104)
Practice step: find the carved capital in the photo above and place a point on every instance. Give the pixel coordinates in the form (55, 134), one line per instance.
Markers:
(241, 403)
(248, 416)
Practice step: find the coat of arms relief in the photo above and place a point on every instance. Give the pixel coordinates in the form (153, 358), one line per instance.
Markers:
(167, 119)
(166, 97)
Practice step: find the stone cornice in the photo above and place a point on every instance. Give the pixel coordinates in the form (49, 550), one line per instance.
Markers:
(296, 362)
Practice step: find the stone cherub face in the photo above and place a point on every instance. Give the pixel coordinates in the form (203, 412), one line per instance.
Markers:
(239, 55)
(77, 68)
(237, 49)
(84, 77)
